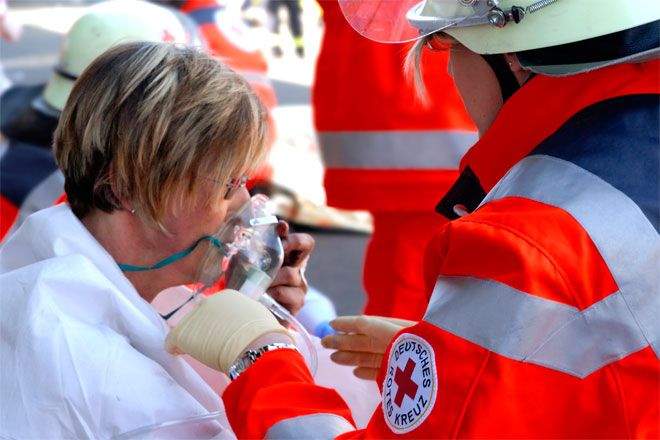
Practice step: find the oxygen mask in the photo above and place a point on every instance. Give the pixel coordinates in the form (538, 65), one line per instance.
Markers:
(246, 253)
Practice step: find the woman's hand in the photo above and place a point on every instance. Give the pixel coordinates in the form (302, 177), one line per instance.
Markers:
(289, 286)
(363, 342)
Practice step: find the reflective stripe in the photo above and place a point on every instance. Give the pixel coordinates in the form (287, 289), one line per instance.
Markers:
(625, 238)
(395, 149)
(533, 329)
(317, 426)
(544, 332)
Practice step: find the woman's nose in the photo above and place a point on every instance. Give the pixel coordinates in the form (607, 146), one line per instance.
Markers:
(241, 196)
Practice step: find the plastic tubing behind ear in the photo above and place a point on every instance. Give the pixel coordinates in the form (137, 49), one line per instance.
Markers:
(283, 314)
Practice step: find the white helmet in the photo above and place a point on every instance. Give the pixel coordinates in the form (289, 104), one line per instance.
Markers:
(101, 27)
(500, 26)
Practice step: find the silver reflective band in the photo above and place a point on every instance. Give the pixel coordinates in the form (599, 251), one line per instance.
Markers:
(533, 329)
(395, 149)
(627, 241)
(536, 330)
(316, 426)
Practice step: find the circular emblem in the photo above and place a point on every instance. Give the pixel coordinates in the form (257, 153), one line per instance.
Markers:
(410, 384)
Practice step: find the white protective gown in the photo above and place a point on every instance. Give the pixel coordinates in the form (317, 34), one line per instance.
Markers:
(81, 353)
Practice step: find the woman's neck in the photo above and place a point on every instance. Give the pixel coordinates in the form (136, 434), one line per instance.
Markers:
(126, 239)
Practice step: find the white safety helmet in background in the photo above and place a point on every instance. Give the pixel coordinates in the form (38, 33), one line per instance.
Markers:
(501, 26)
(105, 25)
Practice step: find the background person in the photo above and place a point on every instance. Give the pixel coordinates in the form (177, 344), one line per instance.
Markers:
(386, 152)
(29, 178)
(294, 12)
(542, 321)
(150, 144)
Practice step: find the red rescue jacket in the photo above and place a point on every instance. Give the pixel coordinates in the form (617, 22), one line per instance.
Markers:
(542, 321)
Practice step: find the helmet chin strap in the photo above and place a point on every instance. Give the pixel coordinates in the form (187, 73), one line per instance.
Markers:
(505, 77)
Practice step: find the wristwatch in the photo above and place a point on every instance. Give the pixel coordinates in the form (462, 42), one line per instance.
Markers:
(250, 356)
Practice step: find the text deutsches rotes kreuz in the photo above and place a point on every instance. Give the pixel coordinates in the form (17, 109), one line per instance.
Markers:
(410, 383)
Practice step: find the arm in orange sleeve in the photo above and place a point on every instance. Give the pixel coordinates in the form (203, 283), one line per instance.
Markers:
(277, 395)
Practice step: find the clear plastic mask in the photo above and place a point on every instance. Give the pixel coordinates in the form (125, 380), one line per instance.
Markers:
(246, 250)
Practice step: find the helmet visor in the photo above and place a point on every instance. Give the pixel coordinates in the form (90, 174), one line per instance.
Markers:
(397, 21)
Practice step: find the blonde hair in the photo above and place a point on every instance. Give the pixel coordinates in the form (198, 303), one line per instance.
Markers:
(413, 64)
(148, 123)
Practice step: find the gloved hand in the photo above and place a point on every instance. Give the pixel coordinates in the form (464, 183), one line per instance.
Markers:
(220, 328)
(363, 341)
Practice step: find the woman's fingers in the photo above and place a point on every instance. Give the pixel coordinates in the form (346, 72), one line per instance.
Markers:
(289, 277)
(346, 324)
(402, 322)
(353, 342)
(291, 298)
(289, 288)
(297, 247)
(359, 359)
(366, 373)
(380, 329)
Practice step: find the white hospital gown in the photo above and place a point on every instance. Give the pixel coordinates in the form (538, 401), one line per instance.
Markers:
(81, 353)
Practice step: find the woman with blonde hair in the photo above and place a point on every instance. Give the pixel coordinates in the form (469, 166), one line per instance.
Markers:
(153, 143)
(544, 293)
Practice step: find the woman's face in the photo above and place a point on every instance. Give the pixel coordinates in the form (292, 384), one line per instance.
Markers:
(477, 84)
(202, 218)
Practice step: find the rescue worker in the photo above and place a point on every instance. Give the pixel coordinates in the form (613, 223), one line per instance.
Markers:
(545, 294)
(294, 12)
(152, 142)
(391, 155)
(29, 178)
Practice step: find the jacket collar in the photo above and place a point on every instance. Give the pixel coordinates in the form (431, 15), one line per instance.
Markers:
(531, 115)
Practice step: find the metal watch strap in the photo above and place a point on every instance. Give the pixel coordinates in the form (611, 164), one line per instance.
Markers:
(250, 356)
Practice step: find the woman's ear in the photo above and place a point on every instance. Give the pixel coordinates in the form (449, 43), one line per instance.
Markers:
(512, 60)
(123, 201)
(518, 70)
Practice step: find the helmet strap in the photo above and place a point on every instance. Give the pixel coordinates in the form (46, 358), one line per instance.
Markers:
(505, 77)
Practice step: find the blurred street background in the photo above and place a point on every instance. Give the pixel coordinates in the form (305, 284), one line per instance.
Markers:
(336, 265)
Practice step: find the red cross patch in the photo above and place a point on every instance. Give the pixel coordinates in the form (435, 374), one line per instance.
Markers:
(407, 387)
(410, 385)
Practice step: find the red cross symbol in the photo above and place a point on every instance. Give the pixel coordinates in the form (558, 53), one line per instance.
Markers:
(406, 386)
(167, 36)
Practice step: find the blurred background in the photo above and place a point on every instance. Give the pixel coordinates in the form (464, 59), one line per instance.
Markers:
(297, 172)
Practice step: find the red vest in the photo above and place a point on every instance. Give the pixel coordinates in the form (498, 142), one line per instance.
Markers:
(382, 149)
